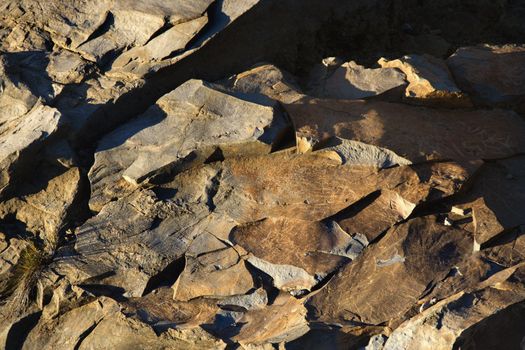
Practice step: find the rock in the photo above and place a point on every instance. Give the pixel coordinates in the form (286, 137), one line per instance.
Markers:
(282, 321)
(266, 81)
(494, 199)
(416, 252)
(430, 81)
(159, 310)
(443, 325)
(22, 137)
(414, 133)
(359, 153)
(217, 274)
(492, 75)
(101, 324)
(418, 184)
(186, 126)
(352, 81)
(254, 301)
(44, 212)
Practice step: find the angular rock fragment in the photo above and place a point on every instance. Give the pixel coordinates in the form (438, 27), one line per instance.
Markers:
(253, 301)
(496, 199)
(417, 184)
(21, 138)
(368, 290)
(282, 321)
(353, 81)
(301, 252)
(443, 325)
(492, 75)
(217, 274)
(187, 125)
(430, 81)
(266, 80)
(414, 133)
(359, 153)
(44, 212)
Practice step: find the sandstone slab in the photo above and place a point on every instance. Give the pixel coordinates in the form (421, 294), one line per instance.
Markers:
(367, 291)
(414, 133)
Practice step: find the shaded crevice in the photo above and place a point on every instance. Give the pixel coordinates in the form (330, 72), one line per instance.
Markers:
(167, 277)
(104, 27)
(85, 334)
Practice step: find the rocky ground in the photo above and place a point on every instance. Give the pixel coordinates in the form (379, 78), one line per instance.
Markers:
(250, 174)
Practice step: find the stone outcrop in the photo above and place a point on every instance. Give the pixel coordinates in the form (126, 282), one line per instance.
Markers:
(186, 175)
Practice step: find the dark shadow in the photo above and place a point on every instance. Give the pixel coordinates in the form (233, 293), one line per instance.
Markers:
(19, 331)
(167, 277)
(505, 329)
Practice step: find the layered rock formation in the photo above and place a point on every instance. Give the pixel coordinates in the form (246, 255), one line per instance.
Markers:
(209, 175)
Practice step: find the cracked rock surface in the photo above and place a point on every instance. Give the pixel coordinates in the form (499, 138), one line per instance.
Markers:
(247, 174)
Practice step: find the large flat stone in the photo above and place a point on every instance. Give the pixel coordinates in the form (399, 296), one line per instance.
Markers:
(368, 290)
(414, 133)
(185, 126)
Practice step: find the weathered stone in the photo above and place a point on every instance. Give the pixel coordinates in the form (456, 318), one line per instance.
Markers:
(368, 290)
(492, 75)
(359, 153)
(254, 301)
(186, 125)
(430, 81)
(284, 320)
(418, 184)
(23, 136)
(311, 246)
(441, 326)
(414, 133)
(44, 212)
(495, 199)
(266, 80)
(217, 274)
(352, 81)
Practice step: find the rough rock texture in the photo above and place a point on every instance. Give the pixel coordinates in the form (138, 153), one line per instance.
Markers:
(413, 133)
(186, 174)
(492, 75)
(429, 80)
(352, 81)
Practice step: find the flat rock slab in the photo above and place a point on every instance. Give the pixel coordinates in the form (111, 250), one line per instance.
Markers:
(430, 81)
(492, 75)
(353, 81)
(216, 274)
(185, 126)
(414, 133)
(368, 290)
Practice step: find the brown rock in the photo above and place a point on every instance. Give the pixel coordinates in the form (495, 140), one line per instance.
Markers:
(414, 133)
(368, 290)
(284, 320)
(443, 325)
(495, 199)
(216, 274)
(353, 81)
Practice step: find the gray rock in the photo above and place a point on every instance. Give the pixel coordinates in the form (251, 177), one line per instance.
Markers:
(352, 81)
(185, 126)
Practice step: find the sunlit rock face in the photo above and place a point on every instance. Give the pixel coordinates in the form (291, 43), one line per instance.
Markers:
(245, 174)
